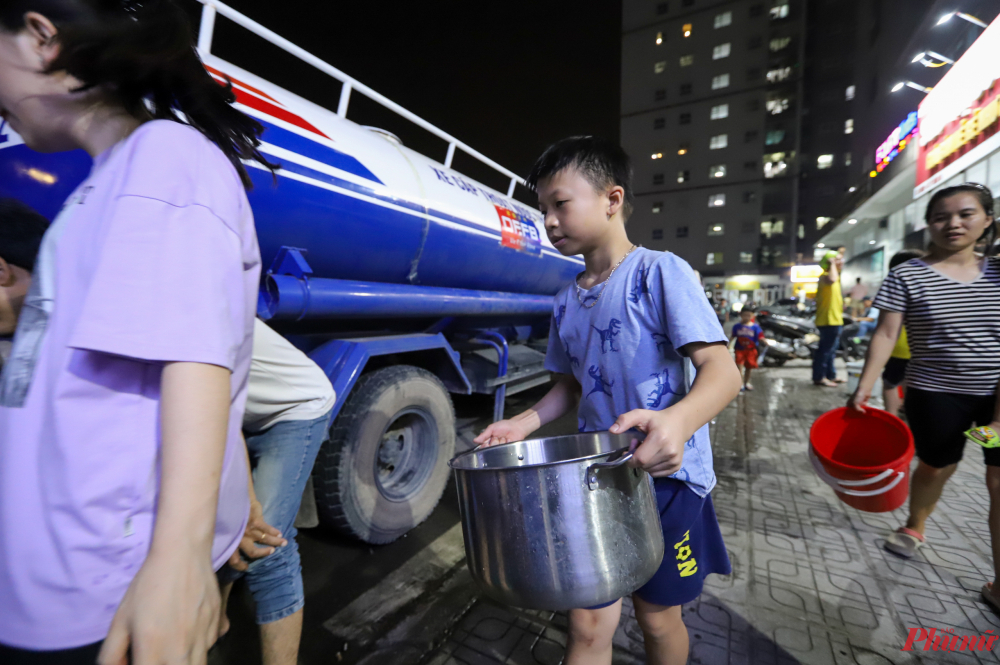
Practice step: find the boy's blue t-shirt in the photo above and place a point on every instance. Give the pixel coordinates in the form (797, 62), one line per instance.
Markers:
(623, 350)
(747, 336)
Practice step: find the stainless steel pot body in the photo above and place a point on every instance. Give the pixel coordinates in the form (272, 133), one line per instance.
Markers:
(558, 523)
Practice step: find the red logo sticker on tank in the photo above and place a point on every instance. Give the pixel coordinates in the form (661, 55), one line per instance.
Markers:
(518, 231)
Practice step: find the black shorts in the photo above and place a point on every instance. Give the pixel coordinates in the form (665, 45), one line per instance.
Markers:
(895, 372)
(86, 655)
(938, 421)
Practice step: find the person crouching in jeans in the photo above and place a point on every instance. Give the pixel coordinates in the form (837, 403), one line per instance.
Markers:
(748, 336)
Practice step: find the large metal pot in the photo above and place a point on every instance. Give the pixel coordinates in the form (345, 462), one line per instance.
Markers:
(558, 523)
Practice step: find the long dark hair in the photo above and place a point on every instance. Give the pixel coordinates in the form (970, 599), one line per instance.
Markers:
(142, 52)
(982, 194)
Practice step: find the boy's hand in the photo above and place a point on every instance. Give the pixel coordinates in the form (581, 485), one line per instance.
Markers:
(662, 453)
(503, 431)
(859, 400)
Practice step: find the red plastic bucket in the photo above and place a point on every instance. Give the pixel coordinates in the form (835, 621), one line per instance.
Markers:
(864, 457)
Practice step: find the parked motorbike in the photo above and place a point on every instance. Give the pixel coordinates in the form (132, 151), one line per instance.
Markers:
(788, 336)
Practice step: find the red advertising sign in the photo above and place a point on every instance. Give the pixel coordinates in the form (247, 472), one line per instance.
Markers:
(518, 232)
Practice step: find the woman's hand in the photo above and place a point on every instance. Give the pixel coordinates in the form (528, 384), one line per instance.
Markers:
(859, 400)
(259, 539)
(170, 613)
(502, 431)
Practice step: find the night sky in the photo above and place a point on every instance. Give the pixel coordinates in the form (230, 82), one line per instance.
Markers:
(507, 78)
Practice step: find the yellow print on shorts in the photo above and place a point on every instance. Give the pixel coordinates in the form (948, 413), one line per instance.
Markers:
(688, 565)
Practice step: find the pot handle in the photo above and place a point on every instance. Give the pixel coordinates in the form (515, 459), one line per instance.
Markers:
(616, 459)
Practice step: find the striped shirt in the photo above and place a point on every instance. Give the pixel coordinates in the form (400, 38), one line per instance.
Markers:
(953, 327)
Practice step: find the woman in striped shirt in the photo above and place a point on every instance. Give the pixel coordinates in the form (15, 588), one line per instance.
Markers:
(950, 304)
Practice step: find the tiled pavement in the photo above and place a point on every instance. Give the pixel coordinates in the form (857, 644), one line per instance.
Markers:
(811, 583)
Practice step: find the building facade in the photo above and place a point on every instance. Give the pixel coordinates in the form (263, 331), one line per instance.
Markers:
(735, 115)
(886, 214)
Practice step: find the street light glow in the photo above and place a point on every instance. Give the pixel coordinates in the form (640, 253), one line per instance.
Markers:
(918, 57)
(945, 18)
(898, 87)
(852, 221)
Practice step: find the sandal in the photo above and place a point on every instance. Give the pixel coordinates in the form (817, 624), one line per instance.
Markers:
(987, 593)
(904, 542)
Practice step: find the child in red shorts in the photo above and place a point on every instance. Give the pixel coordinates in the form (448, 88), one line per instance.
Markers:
(748, 336)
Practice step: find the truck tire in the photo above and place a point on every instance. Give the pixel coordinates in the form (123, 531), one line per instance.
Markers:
(385, 466)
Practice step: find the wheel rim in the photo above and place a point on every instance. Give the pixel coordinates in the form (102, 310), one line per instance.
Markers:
(406, 454)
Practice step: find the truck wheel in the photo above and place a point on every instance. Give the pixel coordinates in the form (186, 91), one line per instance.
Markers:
(385, 466)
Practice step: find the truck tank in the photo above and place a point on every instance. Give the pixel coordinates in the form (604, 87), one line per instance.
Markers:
(407, 275)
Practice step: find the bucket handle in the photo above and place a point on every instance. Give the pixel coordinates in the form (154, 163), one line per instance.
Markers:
(617, 458)
(840, 485)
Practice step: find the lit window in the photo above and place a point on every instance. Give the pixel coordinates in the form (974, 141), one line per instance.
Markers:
(687, 60)
(849, 93)
(801, 233)
(779, 10)
(774, 137)
(823, 221)
(682, 149)
(718, 142)
(721, 51)
(777, 105)
(683, 176)
(659, 38)
(717, 171)
(746, 257)
(721, 111)
(714, 259)
(778, 44)
(717, 229)
(720, 81)
(824, 161)
(771, 227)
(657, 206)
(849, 126)
(779, 74)
(723, 19)
(716, 201)
(775, 165)
(659, 67)
(686, 29)
(847, 159)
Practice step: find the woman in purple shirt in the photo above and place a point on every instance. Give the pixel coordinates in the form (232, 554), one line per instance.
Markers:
(123, 483)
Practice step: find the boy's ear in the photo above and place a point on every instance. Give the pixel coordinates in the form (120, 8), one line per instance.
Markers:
(6, 274)
(616, 199)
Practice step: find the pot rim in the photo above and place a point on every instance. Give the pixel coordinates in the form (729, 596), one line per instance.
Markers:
(454, 462)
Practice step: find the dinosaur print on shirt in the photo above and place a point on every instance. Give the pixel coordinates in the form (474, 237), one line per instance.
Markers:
(600, 385)
(661, 390)
(640, 284)
(608, 336)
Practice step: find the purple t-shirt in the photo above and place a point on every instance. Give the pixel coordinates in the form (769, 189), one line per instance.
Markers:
(155, 260)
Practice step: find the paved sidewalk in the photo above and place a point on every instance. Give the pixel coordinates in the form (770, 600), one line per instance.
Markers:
(811, 583)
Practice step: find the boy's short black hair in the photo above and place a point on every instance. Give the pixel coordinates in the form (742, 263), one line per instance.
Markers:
(21, 231)
(601, 162)
(899, 258)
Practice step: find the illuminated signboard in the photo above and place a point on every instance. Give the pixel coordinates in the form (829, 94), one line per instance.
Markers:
(898, 140)
(959, 117)
(808, 274)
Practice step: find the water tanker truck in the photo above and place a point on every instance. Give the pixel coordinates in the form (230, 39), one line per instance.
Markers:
(400, 277)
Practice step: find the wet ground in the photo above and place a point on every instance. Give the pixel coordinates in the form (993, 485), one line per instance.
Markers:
(811, 583)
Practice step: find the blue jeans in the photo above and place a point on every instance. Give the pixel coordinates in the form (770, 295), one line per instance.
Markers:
(283, 457)
(866, 328)
(829, 340)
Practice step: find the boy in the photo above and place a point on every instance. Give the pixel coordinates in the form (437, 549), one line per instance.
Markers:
(748, 337)
(619, 337)
(21, 231)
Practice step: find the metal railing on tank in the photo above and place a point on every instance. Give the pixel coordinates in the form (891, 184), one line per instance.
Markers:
(207, 29)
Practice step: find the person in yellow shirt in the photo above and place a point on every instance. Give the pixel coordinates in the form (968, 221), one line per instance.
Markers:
(829, 318)
(894, 374)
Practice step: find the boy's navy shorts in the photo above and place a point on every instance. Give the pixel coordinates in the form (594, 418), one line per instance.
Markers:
(693, 546)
